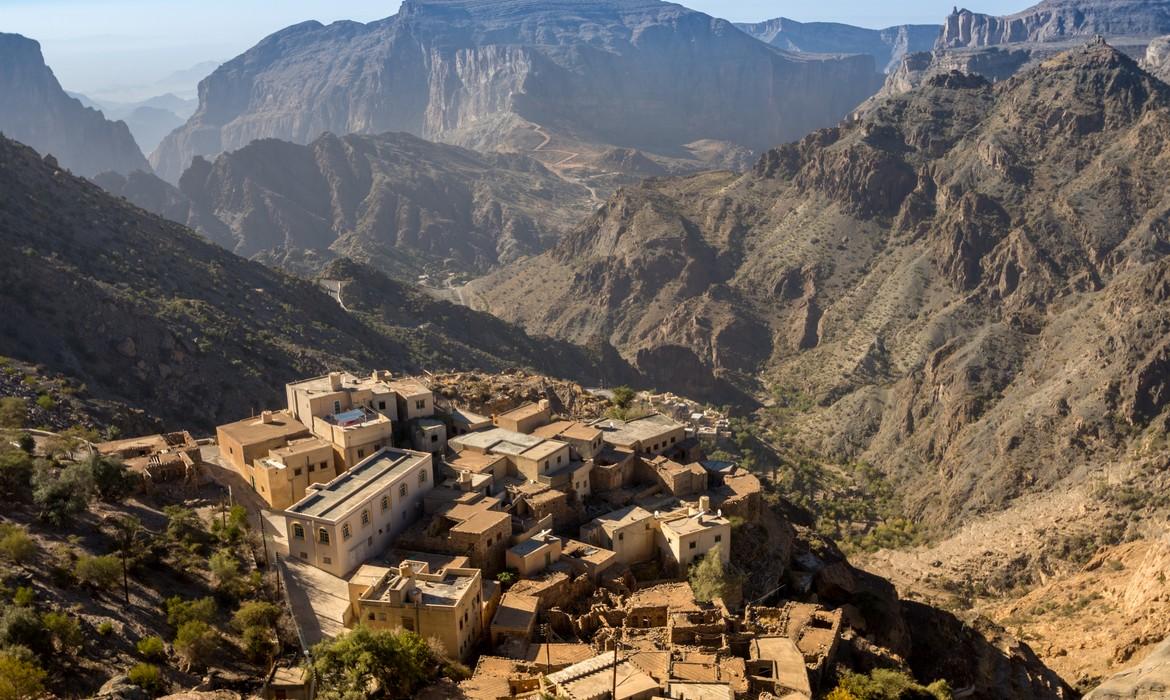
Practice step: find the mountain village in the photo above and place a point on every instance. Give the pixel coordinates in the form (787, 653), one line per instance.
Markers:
(551, 554)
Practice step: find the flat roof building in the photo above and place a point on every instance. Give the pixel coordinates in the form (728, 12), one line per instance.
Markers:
(687, 537)
(651, 435)
(629, 532)
(243, 442)
(526, 418)
(339, 525)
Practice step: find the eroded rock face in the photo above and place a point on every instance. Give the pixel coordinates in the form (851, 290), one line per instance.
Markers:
(886, 46)
(1148, 680)
(37, 112)
(484, 73)
(1158, 58)
(1054, 20)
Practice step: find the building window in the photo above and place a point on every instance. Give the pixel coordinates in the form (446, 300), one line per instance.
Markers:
(297, 471)
(336, 407)
(365, 517)
(692, 545)
(361, 453)
(312, 467)
(298, 531)
(672, 440)
(370, 541)
(327, 560)
(558, 459)
(402, 491)
(621, 536)
(304, 555)
(718, 539)
(381, 405)
(346, 533)
(385, 503)
(323, 465)
(323, 536)
(408, 624)
(370, 616)
(434, 438)
(422, 476)
(421, 404)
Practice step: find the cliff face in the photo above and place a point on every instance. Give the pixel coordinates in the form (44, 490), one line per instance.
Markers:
(917, 274)
(37, 112)
(1056, 20)
(886, 46)
(504, 74)
(1157, 60)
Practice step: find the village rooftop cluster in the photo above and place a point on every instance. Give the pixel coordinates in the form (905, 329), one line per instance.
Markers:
(551, 553)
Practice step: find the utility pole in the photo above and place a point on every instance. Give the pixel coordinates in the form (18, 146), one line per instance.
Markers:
(617, 648)
(125, 571)
(263, 537)
(547, 648)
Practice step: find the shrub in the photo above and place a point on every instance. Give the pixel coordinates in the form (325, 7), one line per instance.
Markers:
(195, 643)
(256, 613)
(27, 443)
(23, 627)
(24, 597)
(398, 661)
(46, 402)
(13, 412)
(111, 478)
(180, 612)
(16, 470)
(623, 396)
(65, 629)
(62, 494)
(225, 567)
(184, 526)
(146, 676)
(889, 684)
(152, 648)
(15, 544)
(20, 677)
(231, 528)
(101, 573)
(709, 578)
(259, 643)
(105, 628)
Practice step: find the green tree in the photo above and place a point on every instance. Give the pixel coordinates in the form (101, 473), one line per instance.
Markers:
(62, 494)
(710, 578)
(225, 567)
(16, 471)
(398, 662)
(623, 396)
(23, 627)
(232, 527)
(256, 613)
(65, 629)
(111, 478)
(181, 611)
(101, 573)
(13, 412)
(184, 526)
(20, 676)
(195, 643)
(890, 684)
(146, 676)
(24, 597)
(259, 643)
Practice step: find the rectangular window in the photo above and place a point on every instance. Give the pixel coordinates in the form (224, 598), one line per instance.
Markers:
(312, 468)
(385, 503)
(434, 438)
(327, 560)
(422, 476)
(381, 405)
(718, 539)
(621, 536)
(365, 517)
(421, 404)
(297, 471)
(402, 491)
(346, 533)
(304, 555)
(323, 536)
(323, 465)
(692, 545)
(361, 453)
(336, 407)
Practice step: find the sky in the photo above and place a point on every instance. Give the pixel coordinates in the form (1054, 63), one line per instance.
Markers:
(119, 48)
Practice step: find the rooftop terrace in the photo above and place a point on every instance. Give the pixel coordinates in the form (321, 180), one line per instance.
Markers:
(333, 500)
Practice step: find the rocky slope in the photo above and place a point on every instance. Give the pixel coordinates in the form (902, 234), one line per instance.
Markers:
(36, 111)
(512, 75)
(400, 203)
(1157, 60)
(145, 312)
(917, 274)
(887, 46)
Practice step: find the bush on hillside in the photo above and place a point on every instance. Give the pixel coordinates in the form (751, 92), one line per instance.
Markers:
(16, 471)
(152, 648)
(62, 494)
(23, 627)
(710, 578)
(398, 661)
(889, 684)
(195, 644)
(256, 613)
(15, 544)
(180, 612)
(111, 478)
(20, 676)
(13, 412)
(65, 630)
(100, 573)
(146, 676)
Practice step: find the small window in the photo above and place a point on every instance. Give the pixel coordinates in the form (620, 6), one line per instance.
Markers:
(365, 517)
(385, 503)
(692, 545)
(336, 407)
(402, 491)
(297, 472)
(421, 404)
(381, 405)
(361, 453)
(621, 536)
(304, 555)
(312, 468)
(323, 536)
(718, 539)
(672, 440)
(370, 541)
(324, 466)
(327, 560)
(434, 438)
(422, 476)
(370, 616)
(558, 459)
(346, 533)
(298, 531)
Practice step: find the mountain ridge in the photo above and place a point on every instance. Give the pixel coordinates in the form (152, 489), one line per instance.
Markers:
(887, 46)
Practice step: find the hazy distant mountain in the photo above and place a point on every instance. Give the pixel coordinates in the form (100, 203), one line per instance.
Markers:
(517, 74)
(887, 46)
(36, 111)
(1157, 59)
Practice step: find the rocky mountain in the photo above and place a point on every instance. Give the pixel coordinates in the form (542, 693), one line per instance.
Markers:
(37, 111)
(147, 313)
(1157, 60)
(915, 274)
(403, 205)
(887, 46)
(560, 78)
(1057, 20)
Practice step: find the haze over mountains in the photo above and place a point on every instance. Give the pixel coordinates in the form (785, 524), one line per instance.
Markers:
(887, 46)
(36, 111)
(506, 75)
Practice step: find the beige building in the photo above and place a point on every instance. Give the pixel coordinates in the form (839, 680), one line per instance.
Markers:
(243, 442)
(686, 537)
(355, 434)
(158, 458)
(339, 525)
(445, 605)
(283, 477)
(652, 435)
(526, 418)
(515, 618)
(338, 392)
(534, 554)
(415, 399)
(630, 533)
(584, 440)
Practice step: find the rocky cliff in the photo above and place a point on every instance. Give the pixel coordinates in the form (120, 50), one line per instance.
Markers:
(1057, 20)
(511, 75)
(36, 111)
(1157, 60)
(886, 46)
(145, 312)
(918, 275)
